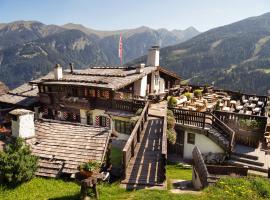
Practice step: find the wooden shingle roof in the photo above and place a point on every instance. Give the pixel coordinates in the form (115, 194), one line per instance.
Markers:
(24, 95)
(103, 77)
(62, 146)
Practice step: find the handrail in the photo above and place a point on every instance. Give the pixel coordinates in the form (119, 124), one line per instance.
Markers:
(164, 135)
(225, 128)
(164, 146)
(199, 119)
(134, 138)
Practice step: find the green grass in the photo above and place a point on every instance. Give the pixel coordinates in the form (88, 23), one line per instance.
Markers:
(41, 188)
(116, 157)
(177, 171)
(251, 188)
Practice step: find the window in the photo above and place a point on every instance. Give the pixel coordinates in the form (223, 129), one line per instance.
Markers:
(89, 118)
(92, 93)
(85, 92)
(41, 89)
(74, 92)
(105, 94)
(122, 127)
(102, 121)
(156, 79)
(191, 138)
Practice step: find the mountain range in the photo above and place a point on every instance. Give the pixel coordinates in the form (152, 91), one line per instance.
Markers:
(29, 49)
(235, 56)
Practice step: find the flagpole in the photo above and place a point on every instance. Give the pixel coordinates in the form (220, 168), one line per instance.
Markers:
(120, 49)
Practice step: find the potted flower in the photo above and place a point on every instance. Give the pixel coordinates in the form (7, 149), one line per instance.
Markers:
(87, 169)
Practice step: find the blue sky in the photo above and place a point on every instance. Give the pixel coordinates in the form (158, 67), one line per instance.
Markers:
(118, 14)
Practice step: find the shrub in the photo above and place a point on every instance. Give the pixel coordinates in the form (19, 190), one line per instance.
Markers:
(139, 111)
(17, 165)
(170, 113)
(90, 166)
(133, 120)
(172, 102)
(170, 122)
(217, 106)
(188, 95)
(171, 136)
(249, 123)
(198, 93)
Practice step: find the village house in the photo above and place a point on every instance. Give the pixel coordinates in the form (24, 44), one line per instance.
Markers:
(71, 116)
(103, 96)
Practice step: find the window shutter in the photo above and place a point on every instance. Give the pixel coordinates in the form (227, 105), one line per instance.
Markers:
(97, 121)
(108, 122)
(65, 115)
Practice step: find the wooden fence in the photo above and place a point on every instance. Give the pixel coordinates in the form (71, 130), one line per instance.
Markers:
(134, 138)
(187, 117)
(164, 147)
(130, 106)
(250, 137)
(200, 119)
(224, 128)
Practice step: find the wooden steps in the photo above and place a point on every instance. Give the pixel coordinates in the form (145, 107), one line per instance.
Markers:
(144, 168)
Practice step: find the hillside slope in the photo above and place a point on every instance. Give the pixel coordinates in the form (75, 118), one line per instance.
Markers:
(235, 56)
(31, 49)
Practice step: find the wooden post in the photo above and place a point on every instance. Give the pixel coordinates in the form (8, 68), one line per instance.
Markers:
(132, 148)
(138, 135)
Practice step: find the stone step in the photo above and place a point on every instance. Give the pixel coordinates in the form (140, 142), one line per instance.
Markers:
(251, 157)
(247, 161)
(250, 166)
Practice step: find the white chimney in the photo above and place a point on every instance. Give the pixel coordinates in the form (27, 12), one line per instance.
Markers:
(153, 56)
(58, 72)
(22, 123)
(139, 68)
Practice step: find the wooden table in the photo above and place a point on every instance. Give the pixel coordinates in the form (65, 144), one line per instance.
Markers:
(87, 183)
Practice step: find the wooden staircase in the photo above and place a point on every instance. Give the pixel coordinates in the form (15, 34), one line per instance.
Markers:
(145, 167)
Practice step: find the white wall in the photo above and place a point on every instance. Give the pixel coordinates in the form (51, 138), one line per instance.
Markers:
(24, 126)
(140, 87)
(204, 143)
(98, 112)
(161, 85)
(83, 116)
(154, 85)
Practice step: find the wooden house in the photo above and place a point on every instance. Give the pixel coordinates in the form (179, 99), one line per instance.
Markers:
(103, 96)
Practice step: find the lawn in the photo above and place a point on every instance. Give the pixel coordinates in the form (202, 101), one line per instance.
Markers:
(178, 171)
(43, 189)
(251, 188)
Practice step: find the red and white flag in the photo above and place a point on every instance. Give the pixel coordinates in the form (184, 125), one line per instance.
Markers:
(120, 50)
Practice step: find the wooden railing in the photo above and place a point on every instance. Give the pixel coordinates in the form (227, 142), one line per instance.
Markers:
(225, 129)
(128, 105)
(164, 147)
(244, 136)
(134, 138)
(187, 117)
(200, 119)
